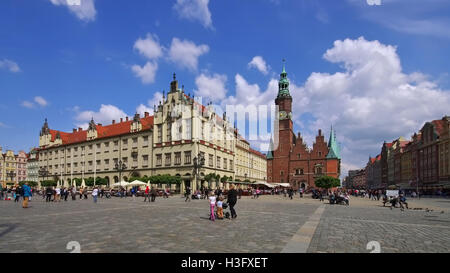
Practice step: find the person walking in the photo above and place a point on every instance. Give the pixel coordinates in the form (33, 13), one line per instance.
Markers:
(240, 192)
(17, 193)
(147, 194)
(85, 193)
(212, 204)
(232, 200)
(291, 193)
(48, 193)
(220, 208)
(58, 194)
(95, 194)
(74, 193)
(188, 194)
(26, 195)
(153, 193)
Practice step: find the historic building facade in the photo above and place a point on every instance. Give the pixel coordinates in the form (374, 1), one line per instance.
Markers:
(251, 165)
(33, 166)
(292, 161)
(167, 142)
(12, 167)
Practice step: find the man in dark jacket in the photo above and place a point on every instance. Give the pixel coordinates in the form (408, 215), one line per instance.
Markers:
(49, 193)
(153, 193)
(232, 199)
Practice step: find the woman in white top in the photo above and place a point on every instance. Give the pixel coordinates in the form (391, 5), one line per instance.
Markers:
(95, 194)
(212, 204)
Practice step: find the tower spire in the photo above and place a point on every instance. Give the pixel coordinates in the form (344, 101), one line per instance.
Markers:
(333, 146)
(283, 83)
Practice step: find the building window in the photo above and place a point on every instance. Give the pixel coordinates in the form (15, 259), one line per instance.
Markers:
(116, 145)
(178, 158)
(211, 160)
(145, 144)
(106, 164)
(231, 165)
(158, 159)
(159, 133)
(168, 159)
(218, 162)
(125, 144)
(169, 132)
(281, 173)
(225, 163)
(145, 160)
(187, 157)
(135, 142)
(298, 156)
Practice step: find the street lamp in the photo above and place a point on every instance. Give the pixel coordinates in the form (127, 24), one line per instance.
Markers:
(199, 162)
(120, 167)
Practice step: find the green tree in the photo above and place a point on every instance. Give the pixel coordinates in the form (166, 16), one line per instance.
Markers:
(48, 183)
(30, 183)
(326, 182)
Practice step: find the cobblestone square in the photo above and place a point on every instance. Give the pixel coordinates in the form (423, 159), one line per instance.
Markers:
(264, 225)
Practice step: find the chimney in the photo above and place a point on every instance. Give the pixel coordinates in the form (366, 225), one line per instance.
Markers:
(99, 124)
(320, 132)
(126, 118)
(121, 120)
(146, 114)
(74, 130)
(113, 121)
(80, 129)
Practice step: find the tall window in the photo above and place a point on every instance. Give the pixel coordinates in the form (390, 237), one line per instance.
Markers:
(145, 160)
(218, 162)
(159, 133)
(211, 160)
(145, 138)
(158, 159)
(168, 159)
(187, 157)
(225, 163)
(169, 132)
(178, 158)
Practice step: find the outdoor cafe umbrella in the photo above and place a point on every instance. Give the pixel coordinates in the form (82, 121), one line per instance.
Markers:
(136, 183)
(83, 184)
(120, 184)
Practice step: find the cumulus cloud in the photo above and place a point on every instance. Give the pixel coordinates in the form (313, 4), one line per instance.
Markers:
(211, 87)
(149, 47)
(370, 100)
(259, 63)
(41, 101)
(37, 100)
(185, 53)
(146, 73)
(194, 10)
(9, 65)
(83, 9)
(149, 107)
(104, 115)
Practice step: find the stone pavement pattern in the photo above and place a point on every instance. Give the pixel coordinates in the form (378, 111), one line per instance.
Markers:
(264, 225)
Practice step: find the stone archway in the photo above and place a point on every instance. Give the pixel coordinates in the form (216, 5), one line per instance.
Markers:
(107, 181)
(116, 179)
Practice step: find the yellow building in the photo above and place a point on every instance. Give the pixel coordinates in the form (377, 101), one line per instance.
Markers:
(8, 167)
(167, 142)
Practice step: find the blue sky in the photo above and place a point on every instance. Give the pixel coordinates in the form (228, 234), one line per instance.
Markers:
(375, 71)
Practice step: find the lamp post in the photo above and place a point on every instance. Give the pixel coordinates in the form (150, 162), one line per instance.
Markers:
(199, 162)
(43, 172)
(120, 167)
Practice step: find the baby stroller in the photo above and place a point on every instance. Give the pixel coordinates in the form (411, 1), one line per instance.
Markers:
(226, 214)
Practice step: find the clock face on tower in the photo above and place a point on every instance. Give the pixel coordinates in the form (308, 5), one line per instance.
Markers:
(284, 115)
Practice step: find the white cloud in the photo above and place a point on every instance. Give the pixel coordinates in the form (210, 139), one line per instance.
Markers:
(194, 10)
(105, 115)
(142, 108)
(149, 47)
(211, 87)
(27, 104)
(41, 101)
(146, 73)
(2, 125)
(9, 65)
(259, 63)
(186, 53)
(368, 102)
(251, 94)
(38, 100)
(83, 9)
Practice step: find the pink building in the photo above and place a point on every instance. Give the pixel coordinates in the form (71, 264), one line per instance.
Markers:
(21, 160)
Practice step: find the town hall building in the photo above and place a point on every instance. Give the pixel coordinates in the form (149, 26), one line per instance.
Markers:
(292, 161)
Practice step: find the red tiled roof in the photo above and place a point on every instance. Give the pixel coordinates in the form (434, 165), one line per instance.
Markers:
(439, 125)
(111, 130)
(389, 145)
(257, 153)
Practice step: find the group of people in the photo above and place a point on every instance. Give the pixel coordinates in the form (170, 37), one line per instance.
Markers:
(25, 192)
(217, 204)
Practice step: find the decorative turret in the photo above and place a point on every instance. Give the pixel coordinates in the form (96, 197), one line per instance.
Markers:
(333, 146)
(283, 84)
(174, 84)
(92, 130)
(45, 129)
(92, 125)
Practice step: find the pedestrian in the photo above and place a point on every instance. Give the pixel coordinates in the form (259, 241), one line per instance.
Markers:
(17, 194)
(212, 204)
(188, 194)
(1, 192)
(85, 193)
(57, 194)
(66, 194)
(240, 192)
(48, 193)
(26, 195)
(291, 193)
(232, 200)
(147, 194)
(220, 208)
(95, 194)
(153, 193)
(74, 193)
